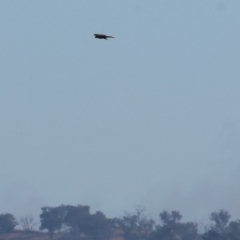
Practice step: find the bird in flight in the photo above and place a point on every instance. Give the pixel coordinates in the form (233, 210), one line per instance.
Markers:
(102, 36)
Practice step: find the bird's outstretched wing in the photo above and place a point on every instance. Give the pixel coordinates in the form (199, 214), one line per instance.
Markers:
(102, 36)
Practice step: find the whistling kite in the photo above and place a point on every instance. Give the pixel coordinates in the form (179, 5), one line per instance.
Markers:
(102, 36)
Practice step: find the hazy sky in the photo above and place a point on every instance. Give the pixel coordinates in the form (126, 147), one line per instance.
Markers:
(149, 118)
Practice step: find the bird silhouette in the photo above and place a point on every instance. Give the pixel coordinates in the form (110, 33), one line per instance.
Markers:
(102, 36)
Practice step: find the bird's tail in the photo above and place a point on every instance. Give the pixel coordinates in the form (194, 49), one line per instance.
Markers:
(109, 37)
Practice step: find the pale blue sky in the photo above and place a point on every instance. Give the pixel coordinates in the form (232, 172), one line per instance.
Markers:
(150, 117)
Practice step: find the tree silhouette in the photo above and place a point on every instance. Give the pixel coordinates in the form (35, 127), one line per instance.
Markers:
(220, 230)
(7, 223)
(27, 223)
(52, 219)
(77, 219)
(172, 229)
(135, 226)
(220, 220)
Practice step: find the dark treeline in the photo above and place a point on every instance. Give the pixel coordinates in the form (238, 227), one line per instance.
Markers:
(79, 223)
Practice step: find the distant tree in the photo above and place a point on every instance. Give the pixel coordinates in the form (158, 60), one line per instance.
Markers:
(80, 220)
(77, 219)
(27, 222)
(7, 223)
(188, 231)
(170, 219)
(220, 220)
(212, 235)
(168, 228)
(52, 219)
(220, 229)
(135, 226)
(233, 230)
(99, 227)
(172, 229)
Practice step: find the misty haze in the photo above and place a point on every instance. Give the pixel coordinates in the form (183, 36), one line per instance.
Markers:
(93, 129)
